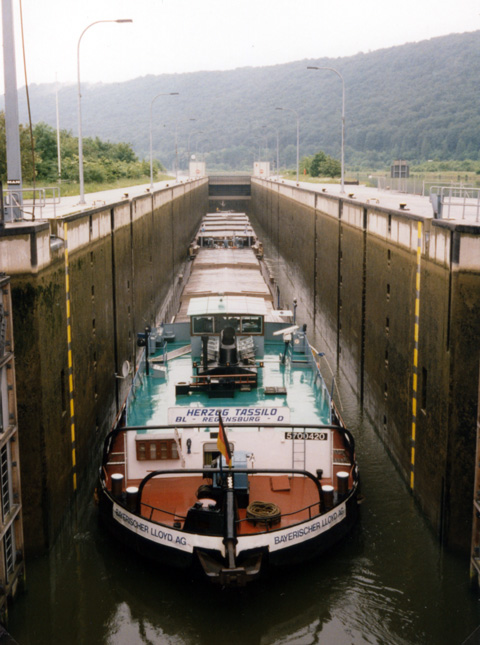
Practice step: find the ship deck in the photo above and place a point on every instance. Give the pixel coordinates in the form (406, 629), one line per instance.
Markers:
(175, 495)
(307, 403)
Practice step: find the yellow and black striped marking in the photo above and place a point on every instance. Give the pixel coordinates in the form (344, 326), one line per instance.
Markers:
(70, 363)
(415, 356)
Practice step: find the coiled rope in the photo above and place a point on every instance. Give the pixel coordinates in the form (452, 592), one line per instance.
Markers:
(263, 512)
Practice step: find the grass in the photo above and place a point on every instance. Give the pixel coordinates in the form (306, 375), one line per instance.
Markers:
(68, 189)
(370, 178)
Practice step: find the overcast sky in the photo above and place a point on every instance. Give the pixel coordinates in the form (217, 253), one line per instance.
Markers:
(176, 36)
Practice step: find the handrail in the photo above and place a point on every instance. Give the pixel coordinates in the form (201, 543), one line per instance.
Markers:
(205, 424)
(208, 424)
(318, 374)
(161, 510)
(308, 508)
(457, 196)
(236, 471)
(255, 471)
(39, 198)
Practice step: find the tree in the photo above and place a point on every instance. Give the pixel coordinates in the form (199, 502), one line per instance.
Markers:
(25, 152)
(323, 165)
(103, 161)
(305, 165)
(46, 147)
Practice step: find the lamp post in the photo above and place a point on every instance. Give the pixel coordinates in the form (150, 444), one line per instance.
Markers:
(195, 132)
(80, 143)
(59, 153)
(266, 142)
(342, 180)
(278, 167)
(278, 138)
(298, 130)
(200, 149)
(151, 132)
(176, 148)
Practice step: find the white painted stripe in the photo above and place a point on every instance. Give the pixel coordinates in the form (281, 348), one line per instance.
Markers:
(311, 529)
(274, 540)
(166, 536)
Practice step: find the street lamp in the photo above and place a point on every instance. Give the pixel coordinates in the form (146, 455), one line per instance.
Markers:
(278, 137)
(151, 134)
(80, 143)
(176, 148)
(298, 130)
(278, 171)
(200, 150)
(194, 132)
(331, 69)
(266, 143)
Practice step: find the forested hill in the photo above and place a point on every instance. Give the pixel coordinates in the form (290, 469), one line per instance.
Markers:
(416, 102)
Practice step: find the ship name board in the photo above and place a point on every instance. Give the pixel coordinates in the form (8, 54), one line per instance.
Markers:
(230, 416)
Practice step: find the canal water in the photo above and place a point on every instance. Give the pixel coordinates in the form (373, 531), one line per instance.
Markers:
(389, 583)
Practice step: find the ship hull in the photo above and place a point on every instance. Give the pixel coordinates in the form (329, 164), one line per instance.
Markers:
(271, 550)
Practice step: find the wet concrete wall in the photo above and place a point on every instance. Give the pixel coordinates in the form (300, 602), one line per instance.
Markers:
(123, 260)
(353, 268)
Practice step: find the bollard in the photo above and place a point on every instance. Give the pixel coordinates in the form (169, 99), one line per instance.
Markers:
(132, 494)
(342, 483)
(117, 484)
(327, 491)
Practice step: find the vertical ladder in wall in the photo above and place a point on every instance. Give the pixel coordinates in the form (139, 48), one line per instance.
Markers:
(5, 493)
(475, 551)
(299, 449)
(12, 567)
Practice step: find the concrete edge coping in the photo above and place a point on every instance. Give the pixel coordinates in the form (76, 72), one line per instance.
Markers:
(406, 214)
(11, 229)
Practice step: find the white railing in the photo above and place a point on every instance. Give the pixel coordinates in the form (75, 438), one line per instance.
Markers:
(452, 201)
(32, 198)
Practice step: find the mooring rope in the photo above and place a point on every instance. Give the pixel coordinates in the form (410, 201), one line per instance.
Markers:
(267, 511)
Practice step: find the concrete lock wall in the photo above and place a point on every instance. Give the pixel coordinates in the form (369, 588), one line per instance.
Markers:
(353, 269)
(122, 263)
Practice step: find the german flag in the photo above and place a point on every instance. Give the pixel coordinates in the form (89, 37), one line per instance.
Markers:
(222, 442)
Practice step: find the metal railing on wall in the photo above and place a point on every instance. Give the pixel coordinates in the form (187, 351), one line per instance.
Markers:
(32, 199)
(410, 185)
(455, 202)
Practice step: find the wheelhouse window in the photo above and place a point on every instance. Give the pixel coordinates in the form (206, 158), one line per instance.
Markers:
(221, 322)
(157, 449)
(202, 324)
(251, 325)
(215, 324)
